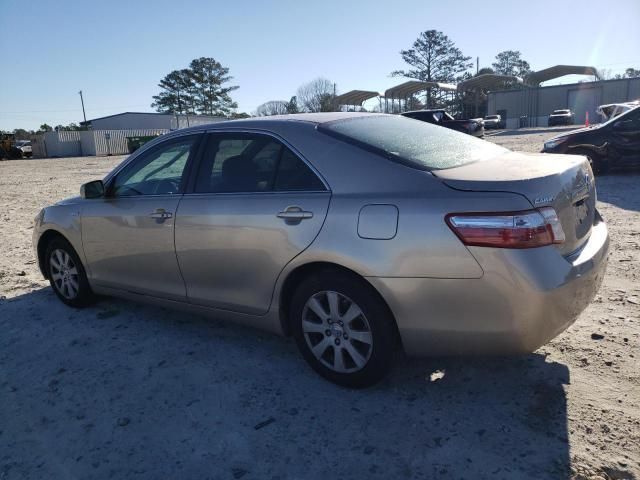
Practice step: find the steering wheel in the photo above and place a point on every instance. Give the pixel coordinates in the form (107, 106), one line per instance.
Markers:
(166, 186)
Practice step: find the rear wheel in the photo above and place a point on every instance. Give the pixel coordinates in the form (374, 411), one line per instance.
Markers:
(343, 329)
(67, 275)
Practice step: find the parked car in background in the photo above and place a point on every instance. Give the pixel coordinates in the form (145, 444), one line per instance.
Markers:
(612, 142)
(440, 117)
(357, 233)
(611, 110)
(493, 121)
(560, 117)
(25, 147)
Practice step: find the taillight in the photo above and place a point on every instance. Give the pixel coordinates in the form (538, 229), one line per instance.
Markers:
(528, 229)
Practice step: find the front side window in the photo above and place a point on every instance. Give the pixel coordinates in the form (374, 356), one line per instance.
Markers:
(252, 163)
(157, 172)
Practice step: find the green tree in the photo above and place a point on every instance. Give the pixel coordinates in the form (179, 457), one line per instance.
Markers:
(210, 90)
(433, 58)
(72, 127)
(292, 105)
(631, 73)
(202, 88)
(21, 133)
(175, 95)
(510, 62)
(45, 128)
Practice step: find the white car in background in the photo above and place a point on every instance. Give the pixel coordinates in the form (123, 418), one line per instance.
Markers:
(492, 121)
(612, 110)
(25, 147)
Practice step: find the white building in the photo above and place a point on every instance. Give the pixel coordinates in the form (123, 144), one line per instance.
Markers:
(108, 135)
(149, 121)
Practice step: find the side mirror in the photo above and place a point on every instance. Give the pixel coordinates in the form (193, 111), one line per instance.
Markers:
(93, 189)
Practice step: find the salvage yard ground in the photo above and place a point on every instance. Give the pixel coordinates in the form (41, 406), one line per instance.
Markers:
(122, 390)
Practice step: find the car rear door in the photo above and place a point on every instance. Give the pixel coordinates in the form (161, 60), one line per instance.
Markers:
(254, 206)
(128, 236)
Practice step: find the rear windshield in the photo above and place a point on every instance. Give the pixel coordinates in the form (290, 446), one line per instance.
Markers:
(561, 111)
(412, 142)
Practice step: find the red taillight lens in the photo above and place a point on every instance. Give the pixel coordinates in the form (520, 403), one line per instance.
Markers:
(532, 228)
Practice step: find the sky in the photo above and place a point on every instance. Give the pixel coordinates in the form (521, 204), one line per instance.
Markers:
(117, 51)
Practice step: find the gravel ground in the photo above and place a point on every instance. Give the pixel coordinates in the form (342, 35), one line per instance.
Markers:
(122, 390)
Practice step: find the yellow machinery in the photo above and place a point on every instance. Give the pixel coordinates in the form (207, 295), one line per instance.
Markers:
(8, 149)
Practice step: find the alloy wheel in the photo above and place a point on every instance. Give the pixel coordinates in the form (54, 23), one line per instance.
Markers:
(337, 332)
(64, 274)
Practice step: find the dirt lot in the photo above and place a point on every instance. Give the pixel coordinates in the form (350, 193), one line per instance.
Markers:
(122, 390)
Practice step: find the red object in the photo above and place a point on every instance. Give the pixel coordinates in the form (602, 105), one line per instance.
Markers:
(528, 229)
(586, 119)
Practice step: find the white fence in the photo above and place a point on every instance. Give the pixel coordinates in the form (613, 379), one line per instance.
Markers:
(88, 142)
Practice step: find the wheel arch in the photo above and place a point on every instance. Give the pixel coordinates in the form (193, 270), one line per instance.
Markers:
(43, 242)
(303, 271)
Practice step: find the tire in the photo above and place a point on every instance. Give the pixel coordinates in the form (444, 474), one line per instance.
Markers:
(598, 164)
(66, 274)
(357, 327)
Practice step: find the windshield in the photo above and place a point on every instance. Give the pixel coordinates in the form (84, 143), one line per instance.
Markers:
(412, 142)
(491, 117)
(619, 116)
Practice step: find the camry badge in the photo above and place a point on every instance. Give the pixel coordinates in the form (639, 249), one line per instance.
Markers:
(541, 200)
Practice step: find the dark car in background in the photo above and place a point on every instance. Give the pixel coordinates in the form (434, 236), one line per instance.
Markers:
(560, 117)
(474, 127)
(613, 142)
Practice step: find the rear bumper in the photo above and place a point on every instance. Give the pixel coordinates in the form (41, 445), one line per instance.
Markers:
(524, 299)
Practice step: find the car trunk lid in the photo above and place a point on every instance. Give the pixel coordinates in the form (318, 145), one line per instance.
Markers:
(564, 182)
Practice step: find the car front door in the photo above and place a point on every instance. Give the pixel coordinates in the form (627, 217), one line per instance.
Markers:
(625, 134)
(255, 205)
(128, 236)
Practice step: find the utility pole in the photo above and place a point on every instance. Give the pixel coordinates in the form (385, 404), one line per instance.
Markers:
(83, 114)
(477, 65)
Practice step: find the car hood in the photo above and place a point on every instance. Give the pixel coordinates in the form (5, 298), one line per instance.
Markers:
(69, 201)
(576, 132)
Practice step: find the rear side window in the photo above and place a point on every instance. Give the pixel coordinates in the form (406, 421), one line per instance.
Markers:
(252, 163)
(295, 175)
(412, 142)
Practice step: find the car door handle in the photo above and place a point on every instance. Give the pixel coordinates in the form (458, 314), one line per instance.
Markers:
(294, 213)
(161, 214)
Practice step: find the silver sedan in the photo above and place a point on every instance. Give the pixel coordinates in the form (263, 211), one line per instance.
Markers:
(357, 234)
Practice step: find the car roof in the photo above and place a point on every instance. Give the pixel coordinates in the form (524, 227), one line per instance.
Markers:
(273, 120)
(428, 110)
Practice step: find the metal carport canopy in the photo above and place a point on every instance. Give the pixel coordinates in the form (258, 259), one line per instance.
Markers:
(536, 78)
(487, 81)
(355, 97)
(413, 86)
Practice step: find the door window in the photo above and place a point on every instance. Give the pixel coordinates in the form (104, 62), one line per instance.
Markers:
(252, 163)
(157, 172)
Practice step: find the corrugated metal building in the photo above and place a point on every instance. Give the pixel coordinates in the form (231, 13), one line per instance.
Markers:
(148, 120)
(87, 142)
(108, 135)
(536, 103)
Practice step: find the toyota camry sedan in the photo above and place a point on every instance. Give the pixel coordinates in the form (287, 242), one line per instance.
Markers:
(358, 234)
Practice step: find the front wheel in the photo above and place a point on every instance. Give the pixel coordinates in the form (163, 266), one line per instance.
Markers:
(343, 329)
(66, 274)
(598, 164)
